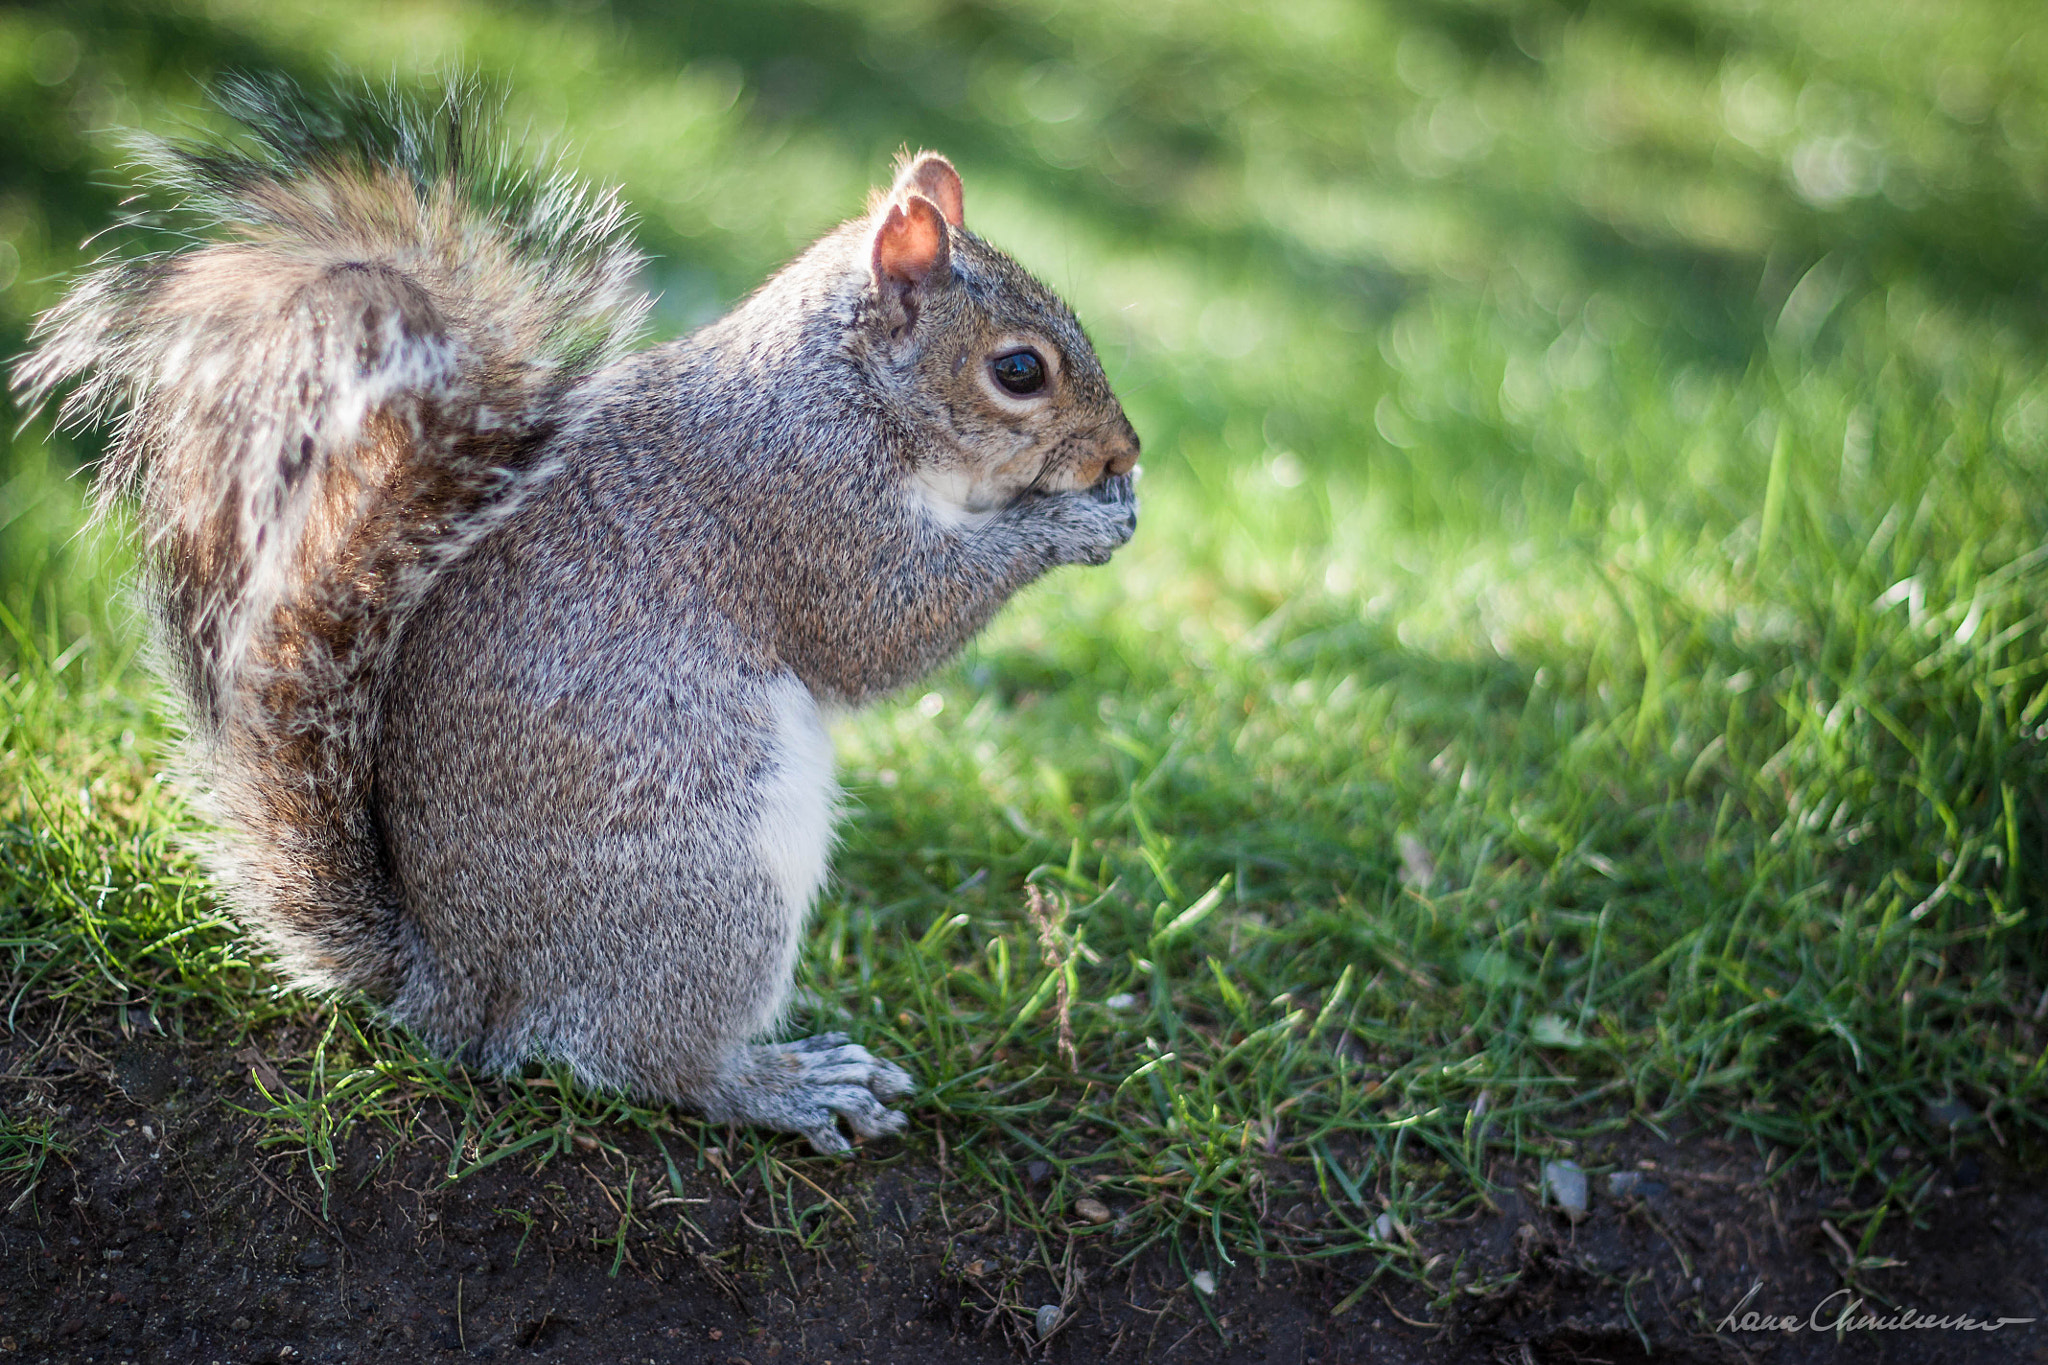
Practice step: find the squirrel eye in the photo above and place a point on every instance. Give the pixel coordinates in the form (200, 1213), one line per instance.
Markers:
(1020, 371)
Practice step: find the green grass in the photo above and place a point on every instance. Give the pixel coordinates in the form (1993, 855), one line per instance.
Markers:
(1584, 662)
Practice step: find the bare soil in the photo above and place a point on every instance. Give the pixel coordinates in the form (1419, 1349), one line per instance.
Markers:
(166, 1232)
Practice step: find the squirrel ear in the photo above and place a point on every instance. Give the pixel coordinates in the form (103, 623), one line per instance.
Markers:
(932, 176)
(909, 249)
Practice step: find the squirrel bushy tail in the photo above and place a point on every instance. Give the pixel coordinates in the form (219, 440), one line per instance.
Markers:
(318, 415)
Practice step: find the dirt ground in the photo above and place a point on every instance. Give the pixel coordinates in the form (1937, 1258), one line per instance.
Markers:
(164, 1233)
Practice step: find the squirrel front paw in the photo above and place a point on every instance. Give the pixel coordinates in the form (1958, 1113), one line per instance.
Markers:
(1089, 524)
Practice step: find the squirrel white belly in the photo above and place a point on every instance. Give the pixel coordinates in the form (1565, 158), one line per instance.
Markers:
(505, 648)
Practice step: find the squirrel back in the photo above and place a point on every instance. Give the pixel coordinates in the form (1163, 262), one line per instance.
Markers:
(318, 416)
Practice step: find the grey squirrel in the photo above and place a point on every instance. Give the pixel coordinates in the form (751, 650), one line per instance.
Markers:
(507, 651)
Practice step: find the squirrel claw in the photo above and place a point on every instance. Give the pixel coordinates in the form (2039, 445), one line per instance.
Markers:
(862, 1112)
(1115, 488)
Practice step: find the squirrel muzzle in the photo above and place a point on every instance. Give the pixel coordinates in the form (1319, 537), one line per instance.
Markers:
(1117, 446)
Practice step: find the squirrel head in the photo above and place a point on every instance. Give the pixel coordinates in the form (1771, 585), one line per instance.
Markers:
(990, 365)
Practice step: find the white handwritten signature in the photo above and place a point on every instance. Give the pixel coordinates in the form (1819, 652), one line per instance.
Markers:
(1850, 1315)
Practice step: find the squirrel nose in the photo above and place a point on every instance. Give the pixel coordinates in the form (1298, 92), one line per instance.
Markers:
(1121, 448)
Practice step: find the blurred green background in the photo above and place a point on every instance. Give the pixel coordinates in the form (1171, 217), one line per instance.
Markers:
(1591, 585)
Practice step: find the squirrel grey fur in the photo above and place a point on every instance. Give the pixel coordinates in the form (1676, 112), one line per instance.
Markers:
(506, 651)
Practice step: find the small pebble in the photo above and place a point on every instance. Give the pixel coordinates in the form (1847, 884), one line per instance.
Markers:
(1122, 1000)
(1950, 1113)
(1383, 1227)
(1565, 1182)
(240, 1325)
(1205, 1282)
(1048, 1318)
(1036, 1172)
(1092, 1211)
(1622, 1184)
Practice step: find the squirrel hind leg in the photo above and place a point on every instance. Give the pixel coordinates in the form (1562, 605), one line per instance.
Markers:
(806, 1087)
